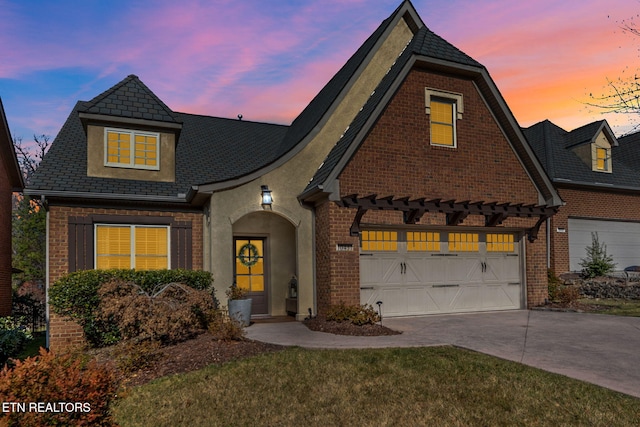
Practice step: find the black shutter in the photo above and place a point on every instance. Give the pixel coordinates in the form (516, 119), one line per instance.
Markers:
(80, 243)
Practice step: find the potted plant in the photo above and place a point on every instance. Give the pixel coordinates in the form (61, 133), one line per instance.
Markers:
(239, 304)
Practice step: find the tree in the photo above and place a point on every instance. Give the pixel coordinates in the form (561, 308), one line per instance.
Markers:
(28, 235)
(622, 95)
(597, 263)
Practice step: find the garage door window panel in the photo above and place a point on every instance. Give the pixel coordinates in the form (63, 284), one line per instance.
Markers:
(464, 242)
(421, 241)
(500, 243)
(379, 241)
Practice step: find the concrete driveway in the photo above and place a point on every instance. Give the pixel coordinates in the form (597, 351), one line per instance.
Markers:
(596, 348)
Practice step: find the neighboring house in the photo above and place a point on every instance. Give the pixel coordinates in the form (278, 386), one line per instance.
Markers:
(598, 178)
(10, 182)
(406, 180)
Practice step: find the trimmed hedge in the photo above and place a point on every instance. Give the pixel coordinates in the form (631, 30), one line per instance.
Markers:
(75, 295)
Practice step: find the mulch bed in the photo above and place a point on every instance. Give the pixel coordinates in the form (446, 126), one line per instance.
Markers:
(320, 324)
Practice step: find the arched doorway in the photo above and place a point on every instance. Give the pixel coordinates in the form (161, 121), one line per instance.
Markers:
(264, 246)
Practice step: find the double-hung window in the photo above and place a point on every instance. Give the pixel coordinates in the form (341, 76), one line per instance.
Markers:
(444, 110)
(140, 247)
(132, 149)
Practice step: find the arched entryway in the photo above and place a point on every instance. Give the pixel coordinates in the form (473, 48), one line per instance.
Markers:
(264, 245)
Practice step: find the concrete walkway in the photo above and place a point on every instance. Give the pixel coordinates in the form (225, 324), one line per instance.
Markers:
(600, 349)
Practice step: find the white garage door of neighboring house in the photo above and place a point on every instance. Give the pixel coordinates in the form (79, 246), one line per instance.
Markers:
(429, 272)
(622, 240)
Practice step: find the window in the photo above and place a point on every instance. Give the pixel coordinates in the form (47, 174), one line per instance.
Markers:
(132, 149)
(423, 241)
(500, 243)
(132, 246)
(443, 123)
(463, 242)
(379, 240)
(602, 159)
(444, 110)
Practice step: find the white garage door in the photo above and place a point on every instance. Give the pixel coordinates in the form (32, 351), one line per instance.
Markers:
(622, 240)
(431, 272)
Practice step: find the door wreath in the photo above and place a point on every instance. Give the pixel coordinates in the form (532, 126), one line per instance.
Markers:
(248, 255)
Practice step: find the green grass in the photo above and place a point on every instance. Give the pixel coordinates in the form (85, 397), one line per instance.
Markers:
(618, 307)
(441, 386)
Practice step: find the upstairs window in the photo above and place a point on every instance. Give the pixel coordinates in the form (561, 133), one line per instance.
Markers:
(444, 110)
(132, 149)
(602, 159)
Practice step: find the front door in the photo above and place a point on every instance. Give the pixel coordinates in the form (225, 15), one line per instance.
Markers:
(250, 271)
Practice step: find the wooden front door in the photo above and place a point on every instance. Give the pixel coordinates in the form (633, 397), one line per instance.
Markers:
(250, 271)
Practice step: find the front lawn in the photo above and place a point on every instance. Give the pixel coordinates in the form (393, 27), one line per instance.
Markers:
(441, 386)
(619, 307)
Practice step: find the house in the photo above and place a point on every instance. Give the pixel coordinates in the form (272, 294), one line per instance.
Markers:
(10, 181)
(596, 175)
(406, 180)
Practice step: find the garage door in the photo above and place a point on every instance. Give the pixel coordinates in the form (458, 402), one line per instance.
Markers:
(429, 272)
(622, 240)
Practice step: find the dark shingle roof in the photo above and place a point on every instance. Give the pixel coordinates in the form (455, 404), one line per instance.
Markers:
(210, 149)
(554, 147)
(129, 98)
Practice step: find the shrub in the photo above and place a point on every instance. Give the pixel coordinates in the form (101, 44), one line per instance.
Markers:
(554, 283)
(75, 296)
(225, 328)
(166, 313)
(356, 314)
(13, 337)
(568, 294)
(68, 379)
(597, 262)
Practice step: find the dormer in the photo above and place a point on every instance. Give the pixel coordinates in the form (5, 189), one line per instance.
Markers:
(131, 134)
(593, 143)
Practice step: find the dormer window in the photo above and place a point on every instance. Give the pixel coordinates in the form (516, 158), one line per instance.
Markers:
(132, 149)
(601, 154)
(444, 110)
(602, 159)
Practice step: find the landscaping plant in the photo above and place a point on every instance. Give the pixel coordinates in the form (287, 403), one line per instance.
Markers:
(597, 262)
(13, 337)
(356, 314)
(76, 296)
(79, 391)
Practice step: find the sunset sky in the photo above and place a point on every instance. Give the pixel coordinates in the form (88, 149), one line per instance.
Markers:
(266, 59)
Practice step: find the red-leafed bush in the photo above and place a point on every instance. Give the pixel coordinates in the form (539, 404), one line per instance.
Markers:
(58, 390)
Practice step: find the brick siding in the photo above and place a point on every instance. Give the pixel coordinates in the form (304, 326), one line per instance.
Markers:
(584, 203)
(65, 334)
(396, 159)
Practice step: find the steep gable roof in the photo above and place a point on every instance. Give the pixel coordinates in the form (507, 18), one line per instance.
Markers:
(8, 153)
(430, 50)
(130, 98)
(555, 146)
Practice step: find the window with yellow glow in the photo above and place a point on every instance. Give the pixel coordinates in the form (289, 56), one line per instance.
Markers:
(463, 242)
(443, 113)
(129, 149)
(500, 243)
(423, 241)
(602, 159)
(379, 241)
(250, 271)
(131, 246)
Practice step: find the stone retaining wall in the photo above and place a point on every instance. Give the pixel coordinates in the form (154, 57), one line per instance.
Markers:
(608, 287)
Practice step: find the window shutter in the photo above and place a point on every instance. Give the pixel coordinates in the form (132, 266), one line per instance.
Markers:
(80, 245)
(181, 245)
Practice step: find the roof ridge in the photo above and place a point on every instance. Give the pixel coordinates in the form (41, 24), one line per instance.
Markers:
(124, 99)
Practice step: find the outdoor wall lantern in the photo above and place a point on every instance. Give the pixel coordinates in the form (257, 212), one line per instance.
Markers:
(267, 199)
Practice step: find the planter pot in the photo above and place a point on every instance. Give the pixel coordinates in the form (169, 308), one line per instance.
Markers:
(240, 310)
